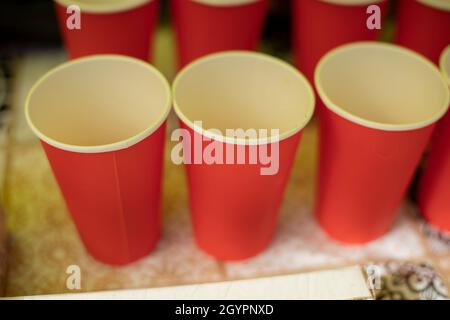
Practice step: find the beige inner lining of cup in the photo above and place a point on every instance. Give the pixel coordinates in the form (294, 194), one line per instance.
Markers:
(352, 2)
(104, 6)
(225, 2)
(438, 4)
(445, 64)
(381, 86)
(98, 101)
(241, 90)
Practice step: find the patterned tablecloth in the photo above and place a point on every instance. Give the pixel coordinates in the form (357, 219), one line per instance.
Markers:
(411, 261)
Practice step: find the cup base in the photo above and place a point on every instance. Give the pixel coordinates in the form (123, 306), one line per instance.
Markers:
(348, 240)
(437, 225)
(235, 256)
(117, 262)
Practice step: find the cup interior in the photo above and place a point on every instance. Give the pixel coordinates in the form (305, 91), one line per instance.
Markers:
(225, 2)
(103, 6)
(101, 102)
(381, 86)
(445, 64)
(243, 90)
(437, 4)
(353, 2)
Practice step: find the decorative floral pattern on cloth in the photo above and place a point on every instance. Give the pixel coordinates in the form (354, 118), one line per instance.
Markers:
(410, 281)
(438, 243)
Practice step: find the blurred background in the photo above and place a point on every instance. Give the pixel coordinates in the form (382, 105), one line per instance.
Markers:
(31, 24)
(38, 24)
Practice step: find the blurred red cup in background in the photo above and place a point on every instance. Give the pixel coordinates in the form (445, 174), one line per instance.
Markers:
(207, 26)
(382, 102)
(321, 25)
(434, 186)
(101, 121)
(235, 206)
(424, 26)
(123, 27)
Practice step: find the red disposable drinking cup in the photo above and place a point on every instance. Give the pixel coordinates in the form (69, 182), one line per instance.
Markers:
(101, 121)
(321, 25)
(382, 102)
(434, 186)
(207, 26)
(234, 205)
(424, 26)
(123, 27)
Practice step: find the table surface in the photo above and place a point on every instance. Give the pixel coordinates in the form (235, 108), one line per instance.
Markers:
(43, 242)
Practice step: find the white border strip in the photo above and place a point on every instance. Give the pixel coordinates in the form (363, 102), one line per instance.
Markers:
(340, 284)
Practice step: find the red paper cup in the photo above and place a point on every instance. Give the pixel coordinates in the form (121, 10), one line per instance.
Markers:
(234, 205)
(207, 26)
(424, 26)
(101, 121)
(434, 187)
(123, 27)
(321, 25)
(382, 102)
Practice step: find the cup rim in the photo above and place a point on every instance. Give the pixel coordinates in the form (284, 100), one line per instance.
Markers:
(239, 141)
(369, 123)
(353, 2)
(445, 56)
(436, 4)
(123, 5)
(115, 146)
(227, 3)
